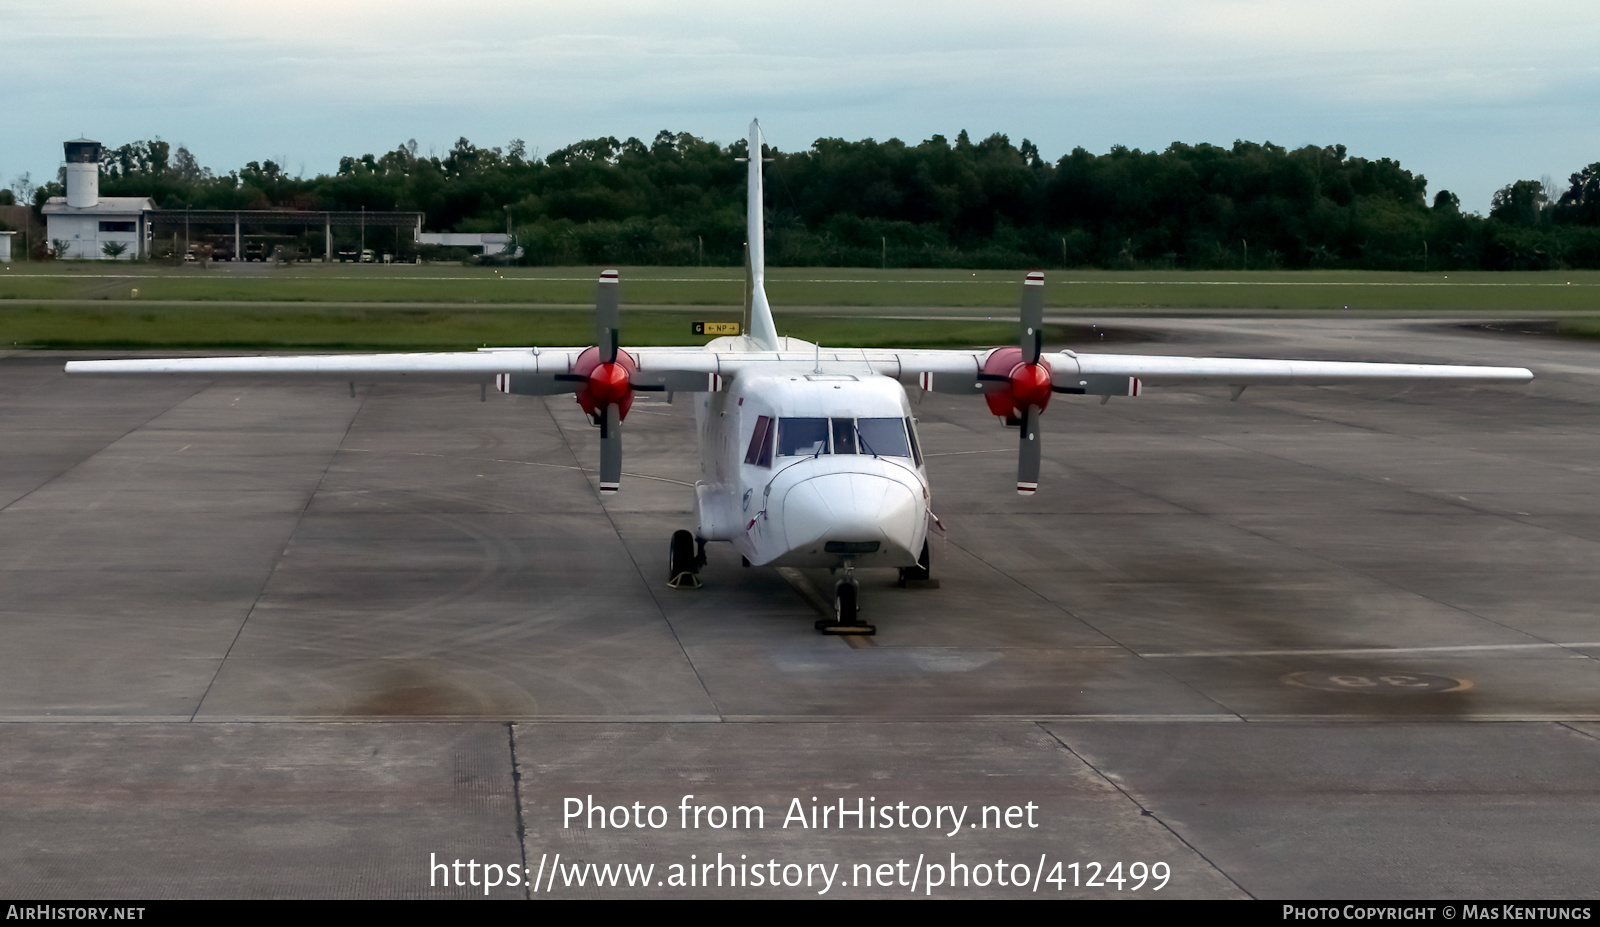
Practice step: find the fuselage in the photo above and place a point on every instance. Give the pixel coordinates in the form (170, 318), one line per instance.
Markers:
(803, 467)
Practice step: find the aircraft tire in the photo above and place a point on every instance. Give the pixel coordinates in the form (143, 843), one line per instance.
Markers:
(922, 571)
(681, 561)
(845, 606)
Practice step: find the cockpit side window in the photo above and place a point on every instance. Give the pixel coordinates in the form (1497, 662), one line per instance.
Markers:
(760, 452)
(802, 437)
(911, 432)
(764, 459)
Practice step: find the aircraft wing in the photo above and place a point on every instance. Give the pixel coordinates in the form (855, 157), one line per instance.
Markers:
(532, 371)
(955, 371)
(464, 366)
(484, 364)
(1161, 370)
(963, 372)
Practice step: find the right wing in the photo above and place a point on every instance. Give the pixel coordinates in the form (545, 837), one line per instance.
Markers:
(462, 366)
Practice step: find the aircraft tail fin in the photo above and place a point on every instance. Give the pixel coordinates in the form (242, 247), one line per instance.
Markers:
(760, 328)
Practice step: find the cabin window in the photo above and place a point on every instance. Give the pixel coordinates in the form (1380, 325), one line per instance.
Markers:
(802, 437)
(117, 227)
(760, 452)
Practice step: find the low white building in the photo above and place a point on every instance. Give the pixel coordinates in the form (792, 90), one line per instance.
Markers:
(85, 221)
(492, 243)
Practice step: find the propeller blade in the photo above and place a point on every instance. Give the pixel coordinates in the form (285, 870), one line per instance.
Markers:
(611, 450)
(1028, 458)
(1032, 341)
(607, 317)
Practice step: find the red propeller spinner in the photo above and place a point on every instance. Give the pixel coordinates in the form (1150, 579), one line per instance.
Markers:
(1017, 384)
(604, 383)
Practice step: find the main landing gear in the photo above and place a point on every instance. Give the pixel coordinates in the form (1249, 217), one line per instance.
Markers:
(919, 576)
(684, 561)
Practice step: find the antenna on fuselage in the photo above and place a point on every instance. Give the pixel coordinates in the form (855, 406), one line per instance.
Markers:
(761, 329)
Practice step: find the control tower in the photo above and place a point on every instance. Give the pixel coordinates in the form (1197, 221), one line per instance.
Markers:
(86, 226)
(83, 173)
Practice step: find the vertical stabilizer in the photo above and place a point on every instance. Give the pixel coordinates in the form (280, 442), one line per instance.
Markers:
(761, 330)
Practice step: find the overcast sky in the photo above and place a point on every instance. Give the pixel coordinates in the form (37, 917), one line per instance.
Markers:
(1474, 95)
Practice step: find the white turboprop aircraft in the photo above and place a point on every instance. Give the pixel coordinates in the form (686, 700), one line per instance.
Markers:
(809, 454)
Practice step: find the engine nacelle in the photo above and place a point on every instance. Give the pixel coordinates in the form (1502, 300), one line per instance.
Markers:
(1011, 385)
(605, 384)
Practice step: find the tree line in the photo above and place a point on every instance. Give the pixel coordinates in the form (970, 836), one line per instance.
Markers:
(680, 200)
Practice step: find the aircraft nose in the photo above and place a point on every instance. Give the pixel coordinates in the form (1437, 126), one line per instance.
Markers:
(855, 508)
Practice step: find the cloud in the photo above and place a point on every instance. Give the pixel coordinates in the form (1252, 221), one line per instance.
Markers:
(314, 81)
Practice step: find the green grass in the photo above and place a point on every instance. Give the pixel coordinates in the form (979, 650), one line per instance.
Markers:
(404, 307)
(1308, 291)
(1303, 291)
(295, 327)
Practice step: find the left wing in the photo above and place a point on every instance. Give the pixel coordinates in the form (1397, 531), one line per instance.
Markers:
(1017, 383)
(1159, 370)
(1018, 390)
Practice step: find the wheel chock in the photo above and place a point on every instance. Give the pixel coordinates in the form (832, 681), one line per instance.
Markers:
(830, 627)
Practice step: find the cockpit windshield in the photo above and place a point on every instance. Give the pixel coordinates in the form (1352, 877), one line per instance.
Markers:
(802, 437)
(809, 437)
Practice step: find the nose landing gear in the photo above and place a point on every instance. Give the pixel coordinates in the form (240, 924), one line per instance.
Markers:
(846, 608)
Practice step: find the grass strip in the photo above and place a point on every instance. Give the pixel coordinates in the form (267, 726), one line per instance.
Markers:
(308, 328)
(1307, 291)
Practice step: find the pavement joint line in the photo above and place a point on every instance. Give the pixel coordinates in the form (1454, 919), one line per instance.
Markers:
(1449, 498)
(1372, 651)
(276, 560)
(1578, 731)
(1420, 717)
(1126, 648)
(516, 797)
(332, 720)
(637, 569)
(198, 390)
(1220, 518)
(1146, 812)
